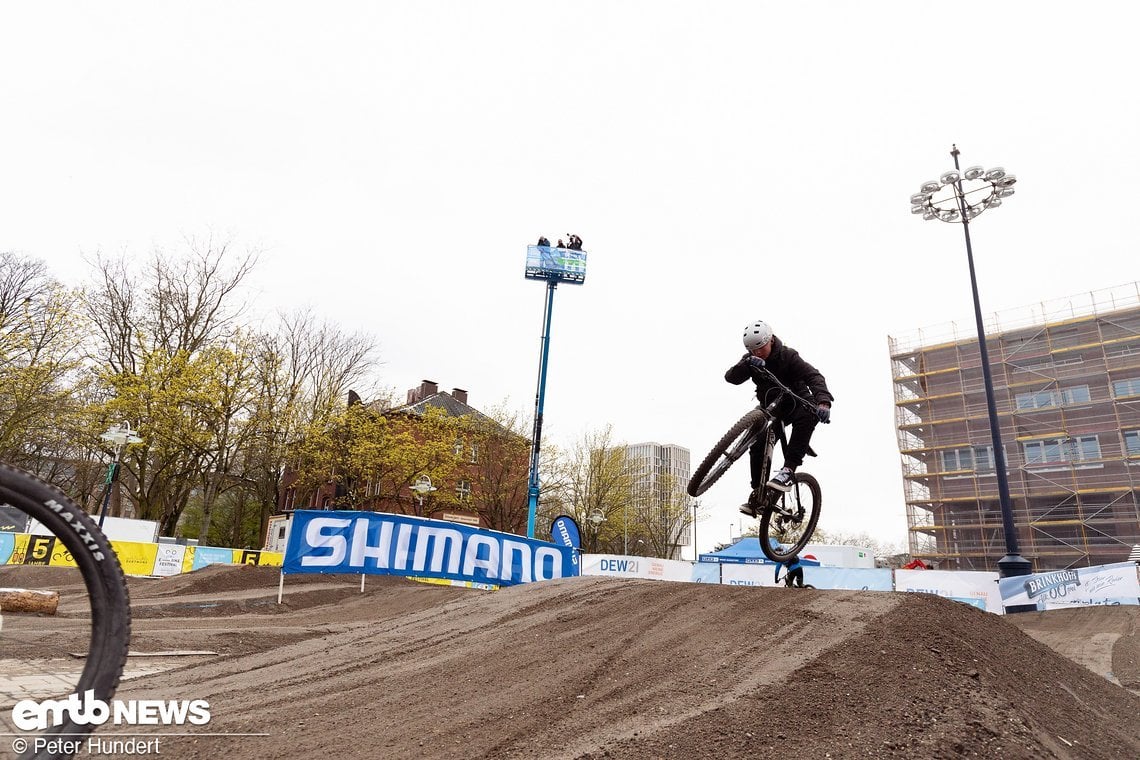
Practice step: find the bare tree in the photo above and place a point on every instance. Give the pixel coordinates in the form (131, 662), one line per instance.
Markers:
(180, 302)
(302, 375)
(151, 330)
(500, 467)
(662, 514)
(598, 488)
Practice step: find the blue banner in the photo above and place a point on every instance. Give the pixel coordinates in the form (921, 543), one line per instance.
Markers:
(564, 531)
(211, 555)
(382, 544)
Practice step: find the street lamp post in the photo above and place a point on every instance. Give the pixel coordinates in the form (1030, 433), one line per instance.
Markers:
(422, 488)
(597, 518)
(950, 200)
(696, 555)
(121, 436)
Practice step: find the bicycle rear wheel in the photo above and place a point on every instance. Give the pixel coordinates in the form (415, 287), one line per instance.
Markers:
(728, 449)
(791, 519)
(66, 553)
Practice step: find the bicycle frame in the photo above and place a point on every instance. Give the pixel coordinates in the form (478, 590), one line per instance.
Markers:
(775, 432)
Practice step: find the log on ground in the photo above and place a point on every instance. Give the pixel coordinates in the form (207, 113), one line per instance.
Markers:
(27, 600)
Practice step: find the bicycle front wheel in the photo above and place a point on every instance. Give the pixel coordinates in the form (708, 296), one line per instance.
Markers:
(78, 645)
(728, 449)
(791, 519)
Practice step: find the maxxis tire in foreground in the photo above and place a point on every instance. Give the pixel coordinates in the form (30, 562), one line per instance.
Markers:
(102, 576)
(731, 446)
(806, 483)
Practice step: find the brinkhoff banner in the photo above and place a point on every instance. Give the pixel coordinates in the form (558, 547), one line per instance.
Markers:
(382, 544)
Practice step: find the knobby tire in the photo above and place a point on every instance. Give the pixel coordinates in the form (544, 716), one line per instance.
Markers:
(728, 449)
(811, 485)
(105, 584)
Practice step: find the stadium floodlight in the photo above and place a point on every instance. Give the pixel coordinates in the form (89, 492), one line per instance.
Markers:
(961, 197)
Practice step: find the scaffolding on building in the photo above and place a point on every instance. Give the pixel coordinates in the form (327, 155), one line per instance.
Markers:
(1066, 378)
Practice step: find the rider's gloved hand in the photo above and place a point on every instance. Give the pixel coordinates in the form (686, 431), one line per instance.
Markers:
(824, 413)
(754, 361)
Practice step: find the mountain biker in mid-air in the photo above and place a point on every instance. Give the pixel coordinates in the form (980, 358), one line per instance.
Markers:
(764, 349)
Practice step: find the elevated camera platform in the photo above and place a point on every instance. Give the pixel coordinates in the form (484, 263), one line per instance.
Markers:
(545, 262)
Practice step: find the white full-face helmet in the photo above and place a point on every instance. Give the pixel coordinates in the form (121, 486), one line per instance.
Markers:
(756, 335)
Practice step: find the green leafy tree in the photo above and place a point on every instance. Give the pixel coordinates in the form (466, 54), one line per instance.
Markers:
(302, 373)
(42, 385)
(371, 457)
(169, 348)
(595, 487)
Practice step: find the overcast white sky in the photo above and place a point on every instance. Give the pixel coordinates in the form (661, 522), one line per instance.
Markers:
(723, 162)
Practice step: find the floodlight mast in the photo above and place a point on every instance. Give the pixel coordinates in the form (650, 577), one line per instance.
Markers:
(947, 200)
(554, 265)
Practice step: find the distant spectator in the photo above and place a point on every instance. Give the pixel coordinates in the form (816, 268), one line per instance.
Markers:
(795, 574)
(575, 243)
(544, 242)
(560, 243)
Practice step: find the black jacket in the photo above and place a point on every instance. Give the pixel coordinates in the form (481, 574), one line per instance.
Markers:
(791, 369)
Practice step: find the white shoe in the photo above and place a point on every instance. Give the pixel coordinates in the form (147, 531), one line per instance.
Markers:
(783, 480)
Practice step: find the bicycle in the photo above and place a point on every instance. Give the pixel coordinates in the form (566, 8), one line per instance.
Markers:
(789, 517)
(787, 579)
(37, 652)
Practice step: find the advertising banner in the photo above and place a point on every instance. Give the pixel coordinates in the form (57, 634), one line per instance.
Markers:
(564, 531)
(136, 558)
(1099, 585)
(8, 548)
(978, 588)
(850, 578)
(752, 574)
(383, 544)
(651, 568)
(12, 520)
(168, 559)
(210, 555)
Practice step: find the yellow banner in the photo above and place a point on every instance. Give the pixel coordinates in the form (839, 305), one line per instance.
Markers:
(136, 558)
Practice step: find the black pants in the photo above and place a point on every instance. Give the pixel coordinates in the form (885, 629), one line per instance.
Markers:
(803, 422)
(795, 578)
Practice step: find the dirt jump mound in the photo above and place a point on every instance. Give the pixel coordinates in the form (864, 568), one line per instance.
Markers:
(597, 667)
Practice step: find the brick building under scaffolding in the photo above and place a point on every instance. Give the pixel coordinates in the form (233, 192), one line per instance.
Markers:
(1066, 378)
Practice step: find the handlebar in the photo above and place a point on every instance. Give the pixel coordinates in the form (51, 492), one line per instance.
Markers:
(783, 388)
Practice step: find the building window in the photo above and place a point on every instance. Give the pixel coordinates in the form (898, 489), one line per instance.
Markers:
(458, 448)
(979, 458)
(1057, 397)
(1085, 448)
(1044, 451)
(1129, 387)
(957, 459)
(1132, 443)
(474, 452)
(463, 490)
(1080, 448)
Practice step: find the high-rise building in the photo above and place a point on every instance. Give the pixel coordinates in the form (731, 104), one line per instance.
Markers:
(660, 477)
(1066, 379)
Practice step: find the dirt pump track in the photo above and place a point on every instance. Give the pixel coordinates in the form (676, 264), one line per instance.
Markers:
(600, 667)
